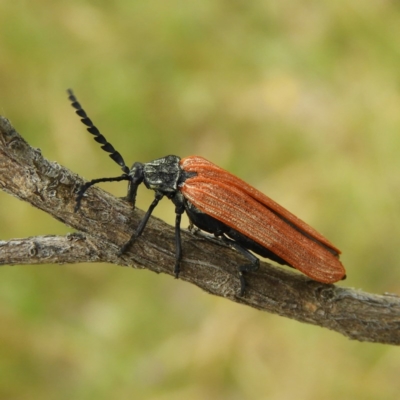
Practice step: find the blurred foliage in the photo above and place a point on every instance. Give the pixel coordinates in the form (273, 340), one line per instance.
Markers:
(299, 98)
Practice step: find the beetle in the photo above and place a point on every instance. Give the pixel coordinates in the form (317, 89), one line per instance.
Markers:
(219, 203)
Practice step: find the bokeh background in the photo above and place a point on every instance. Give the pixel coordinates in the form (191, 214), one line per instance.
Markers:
(299, 98)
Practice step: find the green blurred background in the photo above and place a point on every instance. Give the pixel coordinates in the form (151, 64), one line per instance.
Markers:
(299, 98)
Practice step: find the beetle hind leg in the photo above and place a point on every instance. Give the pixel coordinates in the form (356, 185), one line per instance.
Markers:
(242, 269)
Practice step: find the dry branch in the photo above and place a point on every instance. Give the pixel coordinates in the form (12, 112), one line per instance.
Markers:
(105, 223)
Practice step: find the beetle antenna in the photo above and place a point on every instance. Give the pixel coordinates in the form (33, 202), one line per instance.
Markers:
(98, 137)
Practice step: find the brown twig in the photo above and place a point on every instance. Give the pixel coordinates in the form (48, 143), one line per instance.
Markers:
(106, 222)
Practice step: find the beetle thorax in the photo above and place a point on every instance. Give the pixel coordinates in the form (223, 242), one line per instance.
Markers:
(162, 174)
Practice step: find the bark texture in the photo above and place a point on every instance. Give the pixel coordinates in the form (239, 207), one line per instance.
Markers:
(104, 223)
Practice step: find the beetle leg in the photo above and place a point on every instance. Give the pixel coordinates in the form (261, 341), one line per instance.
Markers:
(82, 190)
(178, 243)
(136, 178)
(253, 266)
(142, 224)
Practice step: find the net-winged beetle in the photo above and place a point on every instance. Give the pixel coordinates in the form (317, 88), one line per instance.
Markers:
(218, 202)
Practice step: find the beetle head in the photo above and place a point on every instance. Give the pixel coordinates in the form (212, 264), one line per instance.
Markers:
(162, 175)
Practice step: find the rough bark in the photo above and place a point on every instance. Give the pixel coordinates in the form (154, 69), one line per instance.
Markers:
(105, 223)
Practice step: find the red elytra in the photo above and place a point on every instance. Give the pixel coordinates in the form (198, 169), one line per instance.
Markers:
(232, 201)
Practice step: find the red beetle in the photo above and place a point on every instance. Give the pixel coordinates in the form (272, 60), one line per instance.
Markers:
(224, 205)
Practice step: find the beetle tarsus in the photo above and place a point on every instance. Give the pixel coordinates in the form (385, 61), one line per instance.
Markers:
(177, 269)
(244, 269)
(126, 246)
(242, 284)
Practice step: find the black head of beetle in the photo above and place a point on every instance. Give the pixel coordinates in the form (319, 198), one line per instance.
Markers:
(161, 175)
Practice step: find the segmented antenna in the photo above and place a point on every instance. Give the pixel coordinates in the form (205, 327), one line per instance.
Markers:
(98, 137)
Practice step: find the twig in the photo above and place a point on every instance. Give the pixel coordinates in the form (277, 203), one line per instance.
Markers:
(106, 222)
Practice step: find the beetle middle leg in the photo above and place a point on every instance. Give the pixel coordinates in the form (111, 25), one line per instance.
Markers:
(142, 224)
(179, 210)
